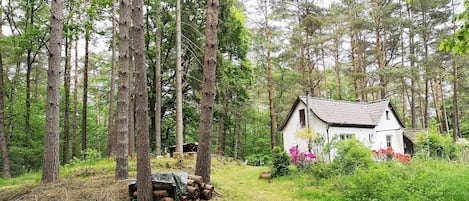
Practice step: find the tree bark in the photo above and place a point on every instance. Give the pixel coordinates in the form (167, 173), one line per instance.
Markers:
(3, 140)
(456, 126)
(75, 104)
(273, 124)
(111, 137)
(85, 95)
(67, 76)
(144, 185)
(158, 80)
(179, 120)
(50, 165)
(123, 92)
(208, 93)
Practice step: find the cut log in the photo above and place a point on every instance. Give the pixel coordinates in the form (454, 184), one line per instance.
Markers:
(193, 191)
(208, 187)
(206, 194)
(167, 199)
(160, 193)
(197, 179)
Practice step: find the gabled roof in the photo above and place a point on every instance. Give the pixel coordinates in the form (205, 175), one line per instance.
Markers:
(345, 113)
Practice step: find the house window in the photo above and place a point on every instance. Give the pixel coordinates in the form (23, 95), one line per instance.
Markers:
(370, 138)
(388, 141)
(387, 115)
(302, 118)
(346, 136)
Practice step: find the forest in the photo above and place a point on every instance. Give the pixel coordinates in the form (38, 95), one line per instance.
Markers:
(127, 80)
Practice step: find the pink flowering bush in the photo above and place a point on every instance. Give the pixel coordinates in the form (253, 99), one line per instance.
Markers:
(301, 158)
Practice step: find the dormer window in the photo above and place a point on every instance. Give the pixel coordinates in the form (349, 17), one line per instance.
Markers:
(387, 114)
(302, 118)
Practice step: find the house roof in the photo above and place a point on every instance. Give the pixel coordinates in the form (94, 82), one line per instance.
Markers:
(345, 113)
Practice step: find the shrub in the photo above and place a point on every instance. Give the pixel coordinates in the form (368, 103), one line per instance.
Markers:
(258, 159)
(280, 162)
(388, 154)
(351, 154)
(435, 145)
(301, 159)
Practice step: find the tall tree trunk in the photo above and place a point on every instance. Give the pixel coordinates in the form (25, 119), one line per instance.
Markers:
(144, 186)
(122, 122)
(29, 66)
(85, 95)
(273, 124)
(158, 80)
(413, 76)
(352, 53)
(75, 104)
(179, 120)
(131, 144)
(208, 93)
(111, 137)
(50, 164)
(379, 51)
(237, 130)
(67, 76)
(403, 82)
(456, 126)
(3, 140)
(337, 68)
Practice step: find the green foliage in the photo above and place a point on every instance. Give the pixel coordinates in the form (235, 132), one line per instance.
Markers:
(258, 159)
(280, 162)
(421, 180)
(435, 145)
(351, 155)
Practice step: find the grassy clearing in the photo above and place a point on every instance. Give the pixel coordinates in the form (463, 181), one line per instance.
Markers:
(441, 180)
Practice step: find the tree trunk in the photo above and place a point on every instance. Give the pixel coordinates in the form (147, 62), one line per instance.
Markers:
(337, 68)
(352, 53)
(237, 130)
(131, 144)
(67, 76)
(413, 77)
(141, 117)
(3, 140)
(75, 104)
(273, 124)
(50, 164)
(208, 93)
(123, 92)
(85, 95)
(456, 126)
(179, 120)
(158, 81)
(111, 137)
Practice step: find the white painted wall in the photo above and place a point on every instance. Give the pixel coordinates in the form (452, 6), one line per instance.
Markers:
(385, 128)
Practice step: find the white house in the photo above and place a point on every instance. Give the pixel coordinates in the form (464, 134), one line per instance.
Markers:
(375, 124)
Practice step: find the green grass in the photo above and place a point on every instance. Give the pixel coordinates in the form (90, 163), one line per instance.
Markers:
(94, 180)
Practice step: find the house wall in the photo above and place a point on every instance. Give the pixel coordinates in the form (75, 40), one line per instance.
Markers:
(361, 134)
(389, 127)
(293, 126)
(376, 141)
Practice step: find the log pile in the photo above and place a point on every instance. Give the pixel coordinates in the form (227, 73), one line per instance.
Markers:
(196, 190)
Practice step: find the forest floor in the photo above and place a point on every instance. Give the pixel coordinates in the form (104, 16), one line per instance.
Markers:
(95, 181)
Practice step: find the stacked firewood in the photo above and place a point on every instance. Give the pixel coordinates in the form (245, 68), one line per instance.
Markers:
(197, 189)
